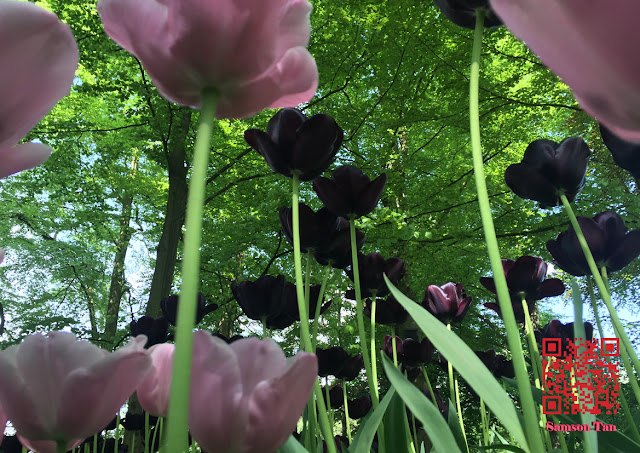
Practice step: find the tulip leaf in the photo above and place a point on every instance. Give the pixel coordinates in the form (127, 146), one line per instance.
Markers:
(500, 447)
(434, 424)
(465, 361)
(368, 430)
(292, 446)
(395, 426)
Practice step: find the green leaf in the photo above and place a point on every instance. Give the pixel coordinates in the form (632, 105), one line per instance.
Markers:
(468, 365)
(292, 446)
(501, 447)
(368, 430)
(395, 427)
(434, 425)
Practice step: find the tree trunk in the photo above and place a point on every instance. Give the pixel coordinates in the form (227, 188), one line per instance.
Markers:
(167, 251)
(117, 274)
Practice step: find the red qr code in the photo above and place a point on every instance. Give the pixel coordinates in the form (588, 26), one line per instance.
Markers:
(579, 376)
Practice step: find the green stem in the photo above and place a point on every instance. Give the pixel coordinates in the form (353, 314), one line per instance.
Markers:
(346, 411)
(485, 423)
(314, 338)
(360, 314)
(459, 410)
(374, 361)
(393, 345)
(146, 433)
(61, 447)
(604, 293)
(452, 392)
(428, 381)
(181, 374)
(513, 335)
(594, 304)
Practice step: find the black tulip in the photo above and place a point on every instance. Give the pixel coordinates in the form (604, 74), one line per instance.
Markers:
(169, 307)
(156, 329)
(389, 312)
(260, 299)
(349, 192)
(336, 396)
(497, 364)
(351, 368)
(549, 169)
(556, 329)
(625, 154)
(359, 407)
(315, 227)
(610, 241)
(372, 268)
(525, 276)
(331, 360)
(463, 12)
(335, 250)
(449, 302)
(295, 143)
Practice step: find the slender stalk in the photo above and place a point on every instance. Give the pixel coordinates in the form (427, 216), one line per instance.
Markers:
(360, 314)
(374, 361)
(428, 381)
(61, 447)
(513, 335)
(393, 345)
(314, 338)
(452, 392)
(459, 410)
(181, 374)
(146, 433)
(346, 411)
(485, 423)
(594, 304)
(602, 287)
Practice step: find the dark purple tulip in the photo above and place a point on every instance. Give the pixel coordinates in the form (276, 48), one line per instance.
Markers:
(625, 154)
(331, 360)
(359, 407)
(336, 249)
(290, 312)
(388, 346)
(417, 353)
(315, 227)
(610, 241)
(349, 192)
(156, 329)
(294, 143)
(557, 329)
(518, 310)
(336, 396)
(463, 12)
(449, 302)
(388, 311)
(351, 369)
(526, 276)
(549, 169)
(372, 267)
(169, 306)
(261, 299)
(497, 364)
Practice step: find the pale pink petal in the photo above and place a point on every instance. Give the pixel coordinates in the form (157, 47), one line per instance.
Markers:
(217, 420)
(22, 157)
(259, 360)
(592, 46)
(276, 406)
(295, 26)
(153, 392)
(39, 57)
(91, 397)
(46, 446)
(289, 83)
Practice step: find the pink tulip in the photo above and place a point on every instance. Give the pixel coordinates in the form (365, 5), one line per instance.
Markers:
(56, 388)
(592, 46)
(246, 397)
(39, 57)
(153, 392)
(252, 51)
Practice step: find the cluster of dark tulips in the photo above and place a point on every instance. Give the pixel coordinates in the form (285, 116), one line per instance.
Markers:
(305, 147)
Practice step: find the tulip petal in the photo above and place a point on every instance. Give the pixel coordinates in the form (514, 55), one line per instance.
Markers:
(22, 157)
(39, 58)
(259, 360)
(591, 48)
(331, 196)
(288, 83)
(628, 250)
(549, 288)
(371, 195)
(153, 392)
(276, 406)
(530, 184)
(217, 420)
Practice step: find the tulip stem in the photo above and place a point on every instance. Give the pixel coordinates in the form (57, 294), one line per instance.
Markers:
(513, 334)
(393, 345)
(61, 447)
(602, 287)
(181, 374)
(347, 423)
(374, 362)
(304, 315)
(323, 286)
(485, 423)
